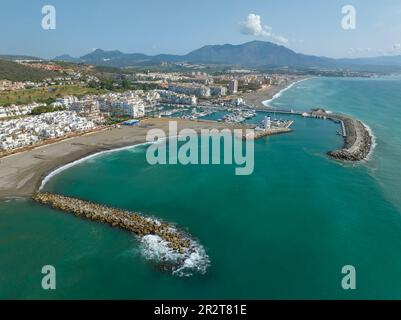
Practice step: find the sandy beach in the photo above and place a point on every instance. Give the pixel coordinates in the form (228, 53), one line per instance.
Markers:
(257, 97)
(21, 174)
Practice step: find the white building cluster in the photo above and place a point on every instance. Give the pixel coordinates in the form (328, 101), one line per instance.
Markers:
(176, 98)
(18, 110)
(130, 103)
(6, 85)
(194, 89)
(155, 76)
(87, 105)
(24, 132)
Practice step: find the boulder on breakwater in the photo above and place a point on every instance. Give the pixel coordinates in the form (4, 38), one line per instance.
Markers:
(358, 141)
(177, 242)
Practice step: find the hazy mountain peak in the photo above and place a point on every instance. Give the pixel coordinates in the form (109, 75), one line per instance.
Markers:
(254, 53)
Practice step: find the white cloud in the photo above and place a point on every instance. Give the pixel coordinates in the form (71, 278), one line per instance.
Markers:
(253, 26)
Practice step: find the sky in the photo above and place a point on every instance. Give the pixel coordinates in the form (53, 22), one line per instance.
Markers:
(180, 26)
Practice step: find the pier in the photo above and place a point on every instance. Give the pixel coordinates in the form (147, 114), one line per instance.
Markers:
(357, 139)
(286, 128)
(130, 221)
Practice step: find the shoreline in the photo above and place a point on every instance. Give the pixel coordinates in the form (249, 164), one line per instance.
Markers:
(22, 174)
(266, 103)
(66, 166)
(259, 97)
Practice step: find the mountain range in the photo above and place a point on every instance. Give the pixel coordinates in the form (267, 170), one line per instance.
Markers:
(255, 54)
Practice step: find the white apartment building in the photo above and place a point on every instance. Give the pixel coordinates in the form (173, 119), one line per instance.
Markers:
(23, 132)
(176, 98)
(133, 107)
(197, 90)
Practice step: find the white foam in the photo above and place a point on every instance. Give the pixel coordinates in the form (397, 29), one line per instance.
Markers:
(374, 143)
(278, 94)
(153, 247)
(194, 259)
(71, 164)
(55, 172)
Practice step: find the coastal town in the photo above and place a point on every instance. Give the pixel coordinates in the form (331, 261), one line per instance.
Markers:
(78, 101)
(200, 156)
(188, 95)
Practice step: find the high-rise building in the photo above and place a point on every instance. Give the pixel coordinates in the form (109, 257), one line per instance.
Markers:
(233, 86)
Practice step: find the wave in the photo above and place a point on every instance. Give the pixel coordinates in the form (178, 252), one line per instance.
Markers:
(278, 94)
(374, 141)
(182, 264)
(152, 247)
(55, 172)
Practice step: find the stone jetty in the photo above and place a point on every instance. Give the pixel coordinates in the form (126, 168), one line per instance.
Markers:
(130, 221)
(357, 138)
(275, 130)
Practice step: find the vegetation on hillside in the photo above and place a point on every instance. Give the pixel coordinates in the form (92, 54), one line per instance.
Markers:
(45, 95)
(13, 71)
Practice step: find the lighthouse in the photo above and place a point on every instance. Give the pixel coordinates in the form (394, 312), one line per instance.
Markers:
(267, 123)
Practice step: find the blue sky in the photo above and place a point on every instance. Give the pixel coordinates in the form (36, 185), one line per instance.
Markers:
(179, 26)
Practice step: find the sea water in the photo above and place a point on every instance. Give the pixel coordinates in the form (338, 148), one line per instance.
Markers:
(285, 231)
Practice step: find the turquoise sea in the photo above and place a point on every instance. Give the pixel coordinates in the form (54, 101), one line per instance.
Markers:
(284, 232)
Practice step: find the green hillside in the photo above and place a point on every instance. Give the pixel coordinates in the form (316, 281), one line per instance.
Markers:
(15, 72)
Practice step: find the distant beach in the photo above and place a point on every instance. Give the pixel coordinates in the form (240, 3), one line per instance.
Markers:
(257, 98)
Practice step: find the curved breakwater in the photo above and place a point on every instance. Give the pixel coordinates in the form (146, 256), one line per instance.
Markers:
(358, 139)
(161, 242)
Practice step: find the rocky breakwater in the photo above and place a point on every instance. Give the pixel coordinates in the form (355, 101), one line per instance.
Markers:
(161, 242)
(358, 141)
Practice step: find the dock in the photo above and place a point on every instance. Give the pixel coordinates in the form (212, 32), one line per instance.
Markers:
(357, 139)
(258, 134)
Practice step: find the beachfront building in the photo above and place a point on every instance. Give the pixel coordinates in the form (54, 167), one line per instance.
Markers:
(130, 103)
(23, 132)
(132, 107)
(176, 98)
